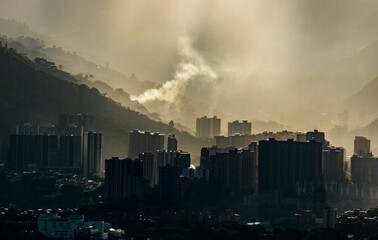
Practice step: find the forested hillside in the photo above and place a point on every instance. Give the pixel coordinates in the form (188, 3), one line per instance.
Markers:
(29, 93)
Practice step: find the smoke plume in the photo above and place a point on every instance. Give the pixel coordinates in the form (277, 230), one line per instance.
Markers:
(192, 65)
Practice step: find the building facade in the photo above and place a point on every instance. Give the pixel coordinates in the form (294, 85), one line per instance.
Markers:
(240, 127)
(140, 142)
(284, 166)
(208, 127)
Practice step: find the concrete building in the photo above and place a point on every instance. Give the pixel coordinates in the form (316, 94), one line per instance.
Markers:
(92, 153)
(45, 151)
(172, 143)
(364, 170)
(169, 187)
(208, 127)
(362, 146)
(284, 166)
(333, 164)
(240, 127)
(150, 168)
(242, 141)
(21, 151)
(73, 123)
(317, 137)
(123, 178)
(47, 129)
(235, 169)
(70, 152)
(140, 142)
(54, 226)
(329, 217)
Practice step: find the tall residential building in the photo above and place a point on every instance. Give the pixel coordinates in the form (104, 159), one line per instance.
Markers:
(317, 137)
(70, 152)
(208, 127)
(285, 165)
(172, 143)
(152, 162)
(364, 170)
(235, 169)
(45, 151)
(329, 217)
(169, 187)
(21, 151)
(92, 148)
(29, 151)
(26, 129)
(74, 122)
(47, 129)
(362, 146)
(123, 178)
(242, 127)
(150, 168)
(140, 142)
(333, 164)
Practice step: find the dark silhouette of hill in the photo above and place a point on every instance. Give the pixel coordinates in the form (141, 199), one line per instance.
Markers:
(73, 63)
(30, 93)
(35, 48)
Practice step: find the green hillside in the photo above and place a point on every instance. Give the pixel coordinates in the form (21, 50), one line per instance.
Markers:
(29, 93)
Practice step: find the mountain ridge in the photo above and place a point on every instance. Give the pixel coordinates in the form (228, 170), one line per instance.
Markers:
(30, 94)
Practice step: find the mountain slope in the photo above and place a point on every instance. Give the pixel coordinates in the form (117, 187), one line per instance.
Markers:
(362, 105)
(366, 98)
(30, 94)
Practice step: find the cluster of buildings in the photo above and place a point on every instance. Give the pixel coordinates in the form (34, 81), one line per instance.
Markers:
(278, 167)
(75, 227)
(358, 224)
(148, 164)
(71, 146)
(236, 169)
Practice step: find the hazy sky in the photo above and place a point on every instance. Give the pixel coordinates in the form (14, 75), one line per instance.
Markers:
(273, 59)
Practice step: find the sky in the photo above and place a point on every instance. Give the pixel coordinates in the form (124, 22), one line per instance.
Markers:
(292, 61)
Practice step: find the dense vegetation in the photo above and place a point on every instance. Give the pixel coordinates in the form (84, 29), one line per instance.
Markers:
(28, 93)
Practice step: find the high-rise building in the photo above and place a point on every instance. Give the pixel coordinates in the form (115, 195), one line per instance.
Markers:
(364, 170)
(208, 127)
(47, 129)
(92, 148)
(73, 123)
(333, 164)
(362, 146)
(329, 218)
(123, 178)
(169, 182)
(29, 151)
(243, 127)
(140, 142)
(172, 143)
(235, 169)
(21, 151)
(45, 151)
(285, 164)
(150, 168)
(317, 137)
(70, 152)
(301, 137)
(26, 129)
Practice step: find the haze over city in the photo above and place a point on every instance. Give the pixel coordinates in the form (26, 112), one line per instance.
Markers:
(311, 55)
(201, 119)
